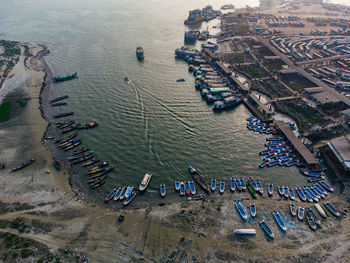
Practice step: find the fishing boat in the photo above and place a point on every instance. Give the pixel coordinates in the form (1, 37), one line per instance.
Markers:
(21, 166)
(242, 183)
(291, 194)
(222, 187)
(311, 222)
(232, 184)
(199, 179)
(88, 125)
(177, 185)
(274, 139)
(145, 181)
(111, 195)
(118, 193)
(321, 189)
(65, 114)
(128, 192)
(326, 186)
(286, 192)
(279, 220)
(63, 78)
(91, 162)
(315, 179)
(240, 209)
(59, 99)
(100, 165)
(301, 212)
(182, 188)
(313, 215)
(293, 209)
(80, 150)
(238, 185)
(270, 189)
(252, 209)
(192, 188)
(122, 195)
(56, 163)
(57, 104)
(65, 139)
(263, 164)
(162, 190)
(313, 196)
(281, 190)
(308, 197)
(312, 174)
(71, 128)
(72, 145)
(259, 187)
(95, 171)
(317, 191)
(74, 157)
(140, 53)
(251, 190)
(213, 185)
(187, 188)
(301, 194)
(320, 210)
(195, 197)
(267, 229)
(245, 232)
(129, 198)
(180, 80)
(82, 159)
(332, 209)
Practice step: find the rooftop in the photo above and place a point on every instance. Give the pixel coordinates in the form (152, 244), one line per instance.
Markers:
(341, 149)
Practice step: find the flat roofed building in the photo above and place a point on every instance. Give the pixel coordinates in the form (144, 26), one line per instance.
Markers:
(340, 147)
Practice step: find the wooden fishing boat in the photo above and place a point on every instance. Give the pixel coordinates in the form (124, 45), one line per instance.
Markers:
(252, 209)
(270, 189)
(71, 128)
(111, 195)
(122, 195)
(21, 166)
(117, 194)
(222, 187)
(313, 215)
(106, 170)
(64, 78)
(267, 229)
(293, 209)
(192, 188)
(213, 185)
(98, 184)
(332, 209)
(65, 114)
(68, 143)
(279, 220)
(232, 184)
(311, 222)
(92, 161)
(75, 157)
(100, 165)
(187, 188)
(240, 210)
(95, 171)
(72, 146)
(82, 159)
(72, 136)
(129, 198)
(199, 179)
(88, 125)
(59, 99)
(145, 181)
(162, 190)
(301, 212)
(177, 185)
(320, 210)
(56, 163)
(58, 104)
(80, 150)
(195, 197)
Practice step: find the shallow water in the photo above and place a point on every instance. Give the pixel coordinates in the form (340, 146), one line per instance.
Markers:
(157, 124)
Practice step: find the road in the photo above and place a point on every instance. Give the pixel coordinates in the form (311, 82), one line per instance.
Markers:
(321, 60)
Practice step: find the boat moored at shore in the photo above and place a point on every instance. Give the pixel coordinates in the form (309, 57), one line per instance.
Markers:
(145, 181)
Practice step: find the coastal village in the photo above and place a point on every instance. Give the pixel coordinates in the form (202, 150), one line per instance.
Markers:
(280, 61)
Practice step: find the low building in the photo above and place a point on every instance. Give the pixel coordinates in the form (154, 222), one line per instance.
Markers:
(339, 153)
(320, 95)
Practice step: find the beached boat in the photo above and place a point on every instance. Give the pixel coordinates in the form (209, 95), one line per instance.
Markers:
(59, 99)
(312, 194)
(56, 163)
(74, 157)
(63, 78)
(68, 143)
(180, 80)
(332, 209)
(326, 186)
(317, 192)
(320, 210)
(182, 188)
(140, 53)
(312, 174)
(187, 188)
(274, 139)
(238, 185)
(252, 209)
(65, 139)
(192, 188)
(122, 195)
(291, 194)
(308, 197)
(301, 212)
(242, 183)
(222, 187)
(213, 184)
(91, 162)
(111, 195)
(177, 185)
(240, 209)
(97, 170)
(325, 193)
(21, 166)
(232, 184)
(251, 189)
(286, 192)
(162, 190)
(118, 193)
(313, 215)
(267, 229)
(80, 151)
(65, 114)
(260, 189)
(263, 164)
(293, 209)
(300, 194)
(270, 189)
(315, 179)
(145, 181)
(128, 192)
(279, 220)
(195, 197)
(199, 179)
(129, 198)
(245, 232)
(72, 145)
(311, 222)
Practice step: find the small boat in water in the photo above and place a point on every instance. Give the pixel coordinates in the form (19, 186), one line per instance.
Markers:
(180, 80)
(213, 184)
(313, 215)
(320, 210)
(182, 189)
(122, 195)
(118, 193)
(111, 195)
(293, 209)
(177, 185)
(145, 181)
(332, 209)
(311, 222)
(279, 220)
(301, 212)
(267, 229)
(25, 164)
(222, 187)
(162, 190)
(192, 188)
(270, 189)
(65, 114)
(129, 198)
(140, 53)
(245, 232)
(128, 192)
(59, 99)
(232, 184)
(88, 125)
(240, 209)
(63, 78)
(195, 197)
(187, 188)
(252, 208)
(199, 178)
(91, 162)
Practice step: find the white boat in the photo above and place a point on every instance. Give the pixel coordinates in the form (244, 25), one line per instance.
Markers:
(145, 181)
(245, 232)
(320, 210)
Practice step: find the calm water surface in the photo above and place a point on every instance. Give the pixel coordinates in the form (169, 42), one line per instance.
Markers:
(159, 125)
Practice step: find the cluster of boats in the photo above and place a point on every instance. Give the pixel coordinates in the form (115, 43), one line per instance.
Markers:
(197, 15)
(71, 125)
(255, 124)
(124, 194)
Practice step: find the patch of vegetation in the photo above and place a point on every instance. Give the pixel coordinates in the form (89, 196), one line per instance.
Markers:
(253, 71)
(297, 83)
(11, 48)
(21, 103)
(333, 109)
(272, 89)
(7, 207)
(274, 65)
(5, 111)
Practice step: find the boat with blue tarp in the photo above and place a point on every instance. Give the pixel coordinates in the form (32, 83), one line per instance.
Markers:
(267, 229)
(232, 184)
(279, 220)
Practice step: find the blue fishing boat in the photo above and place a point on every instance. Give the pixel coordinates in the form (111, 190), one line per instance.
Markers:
(311, 222)
(270, 189)
(182, 189)
(267, 229)
(301, 194)
(293, 209)
(122, 195)
(322, 166)
(264, 152)
(317, 191)
(180, 80)
(140, 53)
(311, 194)
(315, 179)
(321, 189)
(301, 212)
(238, 185)
(286, 192)
(259, 187)
(313, 215)
(129, 198)
(273, 163)
(187, 188)
(162, 190)
(252, 209)
(279, 220)
(233, 184)
(213, 184)
(281, 190)
(110, 195)
(118, 193)
(222, 187)
(332, 209)
(312, 174)
(177, 185)
(326, 186)
(274, 139)
(240, 210)
(192, 188)
(242, 183)
(128, 192)
(263, 164)
(291, 194)
(290, 163)
(308, 197)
